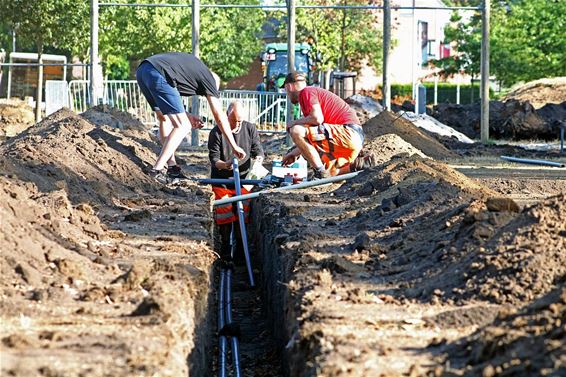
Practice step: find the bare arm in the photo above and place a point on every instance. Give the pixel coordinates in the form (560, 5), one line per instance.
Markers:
(291, 157)
(224, 126)
(314, 118)
(196, 122)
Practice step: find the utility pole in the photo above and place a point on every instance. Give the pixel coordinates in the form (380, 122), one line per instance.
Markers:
(9, 88)
(196, 28)
(413, 53)
(291, 23)
(484, 124)
(195, 42)
(386, 85)
(95, 68)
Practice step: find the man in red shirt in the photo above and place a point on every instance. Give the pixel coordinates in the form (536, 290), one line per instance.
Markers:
(329, 135)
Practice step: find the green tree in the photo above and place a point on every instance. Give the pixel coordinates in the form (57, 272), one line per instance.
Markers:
(529, 40)
(43, 23)
(228, 38)
(345, 38)
(231, 38)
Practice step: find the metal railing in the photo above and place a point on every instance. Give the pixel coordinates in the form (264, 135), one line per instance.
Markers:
(267, 110)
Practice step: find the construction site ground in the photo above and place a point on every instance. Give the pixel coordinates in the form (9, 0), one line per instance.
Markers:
(438, 262)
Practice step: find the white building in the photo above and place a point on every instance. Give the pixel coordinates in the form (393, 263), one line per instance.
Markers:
(419, 34)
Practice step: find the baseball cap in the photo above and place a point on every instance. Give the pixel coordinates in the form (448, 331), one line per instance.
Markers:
(293, 77)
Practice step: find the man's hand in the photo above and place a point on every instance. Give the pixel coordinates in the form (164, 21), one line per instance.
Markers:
(238, 152)
(160, 116)
(289, 158)
(223, 165)
(196, 122)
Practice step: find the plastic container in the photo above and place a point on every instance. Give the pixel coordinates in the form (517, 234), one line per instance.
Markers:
(297, 170)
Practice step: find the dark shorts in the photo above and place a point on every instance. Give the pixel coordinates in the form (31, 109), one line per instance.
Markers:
(158, 92)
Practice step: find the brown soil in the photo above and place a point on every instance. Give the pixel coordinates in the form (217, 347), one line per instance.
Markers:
(510, 120)
(15, 117)
(505, 347)
(112, 117)
(83, 274)
(380, 274)
(385, 147)
(389, 123)
(540, 92)
(92, 164)
(411, 268)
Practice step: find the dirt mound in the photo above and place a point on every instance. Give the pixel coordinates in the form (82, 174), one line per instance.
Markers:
(104, 115)
(62, 270)
(408, 256)
(15, 117)
(80, 276)
(512, 119)
(46, 237)
(389, 123)
(91, 163)
(347, 256)
(540, 92)
(482, 248)
(515, 258)
(385, 147)
(408, 172)
(505, 348)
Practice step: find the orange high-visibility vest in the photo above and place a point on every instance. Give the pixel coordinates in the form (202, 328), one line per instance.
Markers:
(228, 213)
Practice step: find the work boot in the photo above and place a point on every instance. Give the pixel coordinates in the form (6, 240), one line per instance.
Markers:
(320, 173)
(159, 175)
(364, 161)
(175, 172)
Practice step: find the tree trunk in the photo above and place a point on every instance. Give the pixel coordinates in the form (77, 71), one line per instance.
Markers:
(342, 64)
(39, 83)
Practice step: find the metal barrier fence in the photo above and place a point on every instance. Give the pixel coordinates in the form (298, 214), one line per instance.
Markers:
(267, 110)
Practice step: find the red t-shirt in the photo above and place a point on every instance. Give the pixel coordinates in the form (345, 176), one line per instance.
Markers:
(334, 109)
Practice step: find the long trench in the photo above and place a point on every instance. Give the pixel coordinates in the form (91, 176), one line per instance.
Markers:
(249, 331)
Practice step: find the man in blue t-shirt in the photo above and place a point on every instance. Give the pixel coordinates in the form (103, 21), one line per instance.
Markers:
(163, 79)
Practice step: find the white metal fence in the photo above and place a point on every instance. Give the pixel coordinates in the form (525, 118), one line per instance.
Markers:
(268, 110)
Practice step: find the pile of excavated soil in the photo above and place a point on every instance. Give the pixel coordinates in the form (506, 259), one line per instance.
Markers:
(530, 342)
(540, 92)
(408, 171)
(410, 255)
(385, 147)
(518, 257)
(91, 163)
(97, 259)
(112, 117)
(15, 117)
(41, 238)
(511, 120)
(389, 123)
